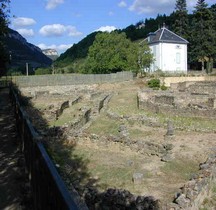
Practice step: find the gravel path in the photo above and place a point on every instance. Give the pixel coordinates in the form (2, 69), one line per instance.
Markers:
(12, 177)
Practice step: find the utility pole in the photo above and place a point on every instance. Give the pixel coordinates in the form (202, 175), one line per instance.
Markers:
(26, 69)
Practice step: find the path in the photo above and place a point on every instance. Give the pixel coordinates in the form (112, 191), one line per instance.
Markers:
(12, 181)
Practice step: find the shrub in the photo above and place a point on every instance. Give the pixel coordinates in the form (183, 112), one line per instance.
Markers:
(41, 71)
(163, 87)
(154, 83)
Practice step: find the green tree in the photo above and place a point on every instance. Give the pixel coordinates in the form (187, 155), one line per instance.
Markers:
(213, 10)
(181, 19)
(41, 71)
(202, 38)
(110, 53)
(4, 56)
(145, 57)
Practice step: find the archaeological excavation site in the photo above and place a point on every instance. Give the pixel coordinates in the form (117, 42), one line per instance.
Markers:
(123, 145)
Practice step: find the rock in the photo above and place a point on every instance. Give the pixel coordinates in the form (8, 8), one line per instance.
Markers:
(122, 128)
(168, 146)
(137, 178)
(182, 201)
(170, 129)
(204, 166)
(166, 158)
(143, 203)
(191, 194)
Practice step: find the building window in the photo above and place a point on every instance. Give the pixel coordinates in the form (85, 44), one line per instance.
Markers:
(178, 58)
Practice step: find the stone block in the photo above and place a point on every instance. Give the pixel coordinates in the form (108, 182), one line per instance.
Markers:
(170, 129)
(137, 178)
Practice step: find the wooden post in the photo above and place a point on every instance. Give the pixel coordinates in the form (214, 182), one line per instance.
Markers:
(26, 69)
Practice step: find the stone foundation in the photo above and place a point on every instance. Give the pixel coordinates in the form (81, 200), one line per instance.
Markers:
(186, 99)
(193, 193)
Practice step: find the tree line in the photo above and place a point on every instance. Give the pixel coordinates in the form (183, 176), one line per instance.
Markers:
(4, 21)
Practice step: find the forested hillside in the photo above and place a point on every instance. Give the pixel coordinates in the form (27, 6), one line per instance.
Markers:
(78, 50)
(134, 32)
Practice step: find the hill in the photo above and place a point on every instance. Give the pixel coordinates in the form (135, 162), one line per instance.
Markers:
(133, 32)
(77, 51)
(22, 52)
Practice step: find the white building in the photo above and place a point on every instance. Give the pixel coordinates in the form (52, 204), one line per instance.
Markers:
(169, 50)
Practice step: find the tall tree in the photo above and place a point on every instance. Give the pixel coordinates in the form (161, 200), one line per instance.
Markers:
(112, 52)
(181, 19)
(4, 56)
(145, 57)
(202, 37)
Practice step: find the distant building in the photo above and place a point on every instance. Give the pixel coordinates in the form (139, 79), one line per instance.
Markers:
(169, 50)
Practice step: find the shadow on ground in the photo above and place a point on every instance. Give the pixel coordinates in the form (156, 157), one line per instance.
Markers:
(13, 181)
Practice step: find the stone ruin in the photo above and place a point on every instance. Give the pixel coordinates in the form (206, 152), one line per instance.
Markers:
(189, 99)
(195, 99)
(193, 193)
(186, 99)
(55, 100)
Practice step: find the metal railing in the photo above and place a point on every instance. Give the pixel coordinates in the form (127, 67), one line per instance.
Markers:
(5, 81)
(48, 189)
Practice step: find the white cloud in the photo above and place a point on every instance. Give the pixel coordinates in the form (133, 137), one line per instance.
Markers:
(59, 30)
(26, 32)
(23, 22)
(122, 4)
(152, 7)
(72, 31)
(52, 30)
(106, 28)
(61, 47)
(52, 4)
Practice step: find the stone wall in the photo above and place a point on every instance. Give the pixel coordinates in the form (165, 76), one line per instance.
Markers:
(193, 193)
(167, 81)
(164, 99)
(71, 79)
(183, 99)
(205, 88)
(193, 110)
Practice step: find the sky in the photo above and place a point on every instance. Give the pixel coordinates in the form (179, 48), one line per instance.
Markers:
(58, 24)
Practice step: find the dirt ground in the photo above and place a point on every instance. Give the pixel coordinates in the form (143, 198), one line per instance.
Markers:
(112, 164)
(13, 181)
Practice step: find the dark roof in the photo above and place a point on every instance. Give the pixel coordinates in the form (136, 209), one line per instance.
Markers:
(165, 35)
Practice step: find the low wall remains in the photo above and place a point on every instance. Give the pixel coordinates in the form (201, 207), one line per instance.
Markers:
(183, 99)
(167, 81)
(71, 79)
(199, 187)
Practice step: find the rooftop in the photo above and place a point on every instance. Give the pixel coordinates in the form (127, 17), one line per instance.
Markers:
(165, 35)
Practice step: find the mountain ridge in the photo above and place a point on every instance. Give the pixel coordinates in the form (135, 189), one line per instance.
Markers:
(22, 52)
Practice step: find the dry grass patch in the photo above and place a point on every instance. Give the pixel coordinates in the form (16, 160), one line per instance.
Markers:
(114, 166)
(104, 126)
